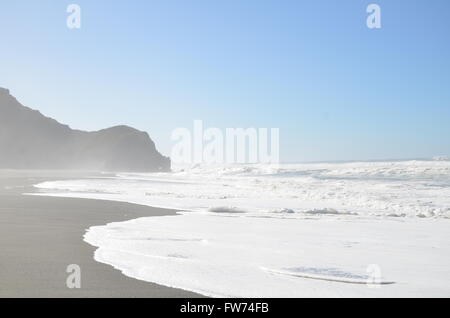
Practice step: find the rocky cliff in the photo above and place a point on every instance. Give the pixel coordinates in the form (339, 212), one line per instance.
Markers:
(29, 140)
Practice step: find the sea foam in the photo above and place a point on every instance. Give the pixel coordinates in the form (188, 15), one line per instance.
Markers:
(246, 231)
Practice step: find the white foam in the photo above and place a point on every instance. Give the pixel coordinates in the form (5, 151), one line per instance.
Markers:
(413, 188)
(328, 274)
(267, 231)
(227, 255)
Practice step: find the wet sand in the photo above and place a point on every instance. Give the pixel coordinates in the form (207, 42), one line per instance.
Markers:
(41, 236)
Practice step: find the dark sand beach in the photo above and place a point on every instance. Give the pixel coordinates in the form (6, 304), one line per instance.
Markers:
(41, 236)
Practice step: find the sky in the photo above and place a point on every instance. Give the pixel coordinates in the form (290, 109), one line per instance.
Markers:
(336, 89)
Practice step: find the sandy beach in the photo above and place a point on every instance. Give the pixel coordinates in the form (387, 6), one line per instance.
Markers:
(41, 236)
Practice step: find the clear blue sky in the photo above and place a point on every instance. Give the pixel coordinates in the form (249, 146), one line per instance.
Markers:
(336, 89)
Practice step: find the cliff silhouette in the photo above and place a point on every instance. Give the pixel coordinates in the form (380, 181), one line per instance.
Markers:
(29, 140)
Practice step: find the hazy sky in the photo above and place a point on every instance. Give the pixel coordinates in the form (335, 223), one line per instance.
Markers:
(336, 89)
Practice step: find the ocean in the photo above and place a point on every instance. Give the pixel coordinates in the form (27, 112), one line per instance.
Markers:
(353, 229)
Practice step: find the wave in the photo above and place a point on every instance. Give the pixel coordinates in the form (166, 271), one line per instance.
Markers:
(280, 231)
(407, 189)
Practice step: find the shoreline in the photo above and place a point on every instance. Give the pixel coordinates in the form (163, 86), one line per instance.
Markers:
(225, 251)
(41, 236)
